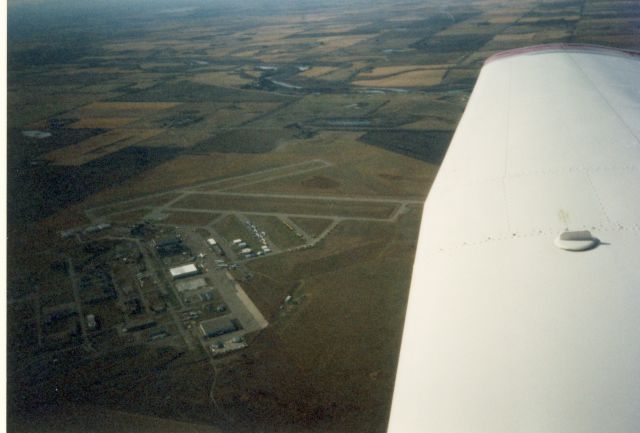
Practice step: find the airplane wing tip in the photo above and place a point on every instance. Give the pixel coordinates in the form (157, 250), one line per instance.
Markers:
(560, 47)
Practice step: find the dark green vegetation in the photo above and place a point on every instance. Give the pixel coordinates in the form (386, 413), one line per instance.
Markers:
(429, 146)
(299, 109)
(244, 141)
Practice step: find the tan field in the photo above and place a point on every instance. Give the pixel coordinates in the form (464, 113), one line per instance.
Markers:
(99, 146)
(129, 217)
(332, 43)
(220, 79)
(138, 45)
(102, 122)
(343, 73)
(144, 84)
(107, 106)
(245, 53)
(421, 78)
(159, 65)
(190, 218)
(503, 19)
(524, 37)
(551, 35)
(95, 70)
(384, 71)
(317, 71)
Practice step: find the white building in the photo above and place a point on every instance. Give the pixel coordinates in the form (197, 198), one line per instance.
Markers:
(184, 271)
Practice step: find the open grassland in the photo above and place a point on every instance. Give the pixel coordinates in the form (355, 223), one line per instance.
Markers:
(111, 115)
(358, 170)
(102, 122)
(325, 108)
(31, 105)
(183, 218)
(245, 140)
(188, 170)
(277, 231)
(344, 74)
(418, 78)
(220, 79)
(150, 201)
(73, 418)
(197, 123)
(349, 289)
(129, 217)
(312, 226)
(262, 175)
(331, 43)
(385, 71)
(246, 53)
(317, 71)
(99, 146)
(230, 228)
(131, 105)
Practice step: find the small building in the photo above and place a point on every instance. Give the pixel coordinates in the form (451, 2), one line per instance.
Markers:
(206, 296)
(139, 326)
(242, 245)
(158, 306)
(170, 246)
(245, 250)
(68, 233)
(216, 327)
(236, 241)
(184, 271)
(158, 334)
(91, 322)
(211, 242)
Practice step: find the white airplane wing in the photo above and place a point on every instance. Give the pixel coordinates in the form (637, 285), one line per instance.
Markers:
(508, 328)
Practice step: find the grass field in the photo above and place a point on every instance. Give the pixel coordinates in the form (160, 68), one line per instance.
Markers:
(99, 146)
(220, 79)
(277, 231)
(312, 226)
(419, 78)
(385, 71)
(257, 177)
(134, 106)
(129, 217)
(189, 218)
(317, 71)
(231, 228)
(102, 122)
(156, 200)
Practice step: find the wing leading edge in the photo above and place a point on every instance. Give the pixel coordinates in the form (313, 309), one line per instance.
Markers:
(505, 331)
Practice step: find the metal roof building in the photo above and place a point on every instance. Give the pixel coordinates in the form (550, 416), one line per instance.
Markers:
(216, 327)
(184, 271)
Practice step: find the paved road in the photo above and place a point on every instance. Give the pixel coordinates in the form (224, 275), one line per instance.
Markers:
(352, 199)
(289, 170)
(286, 214)
(78, 302)
(321, 164)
